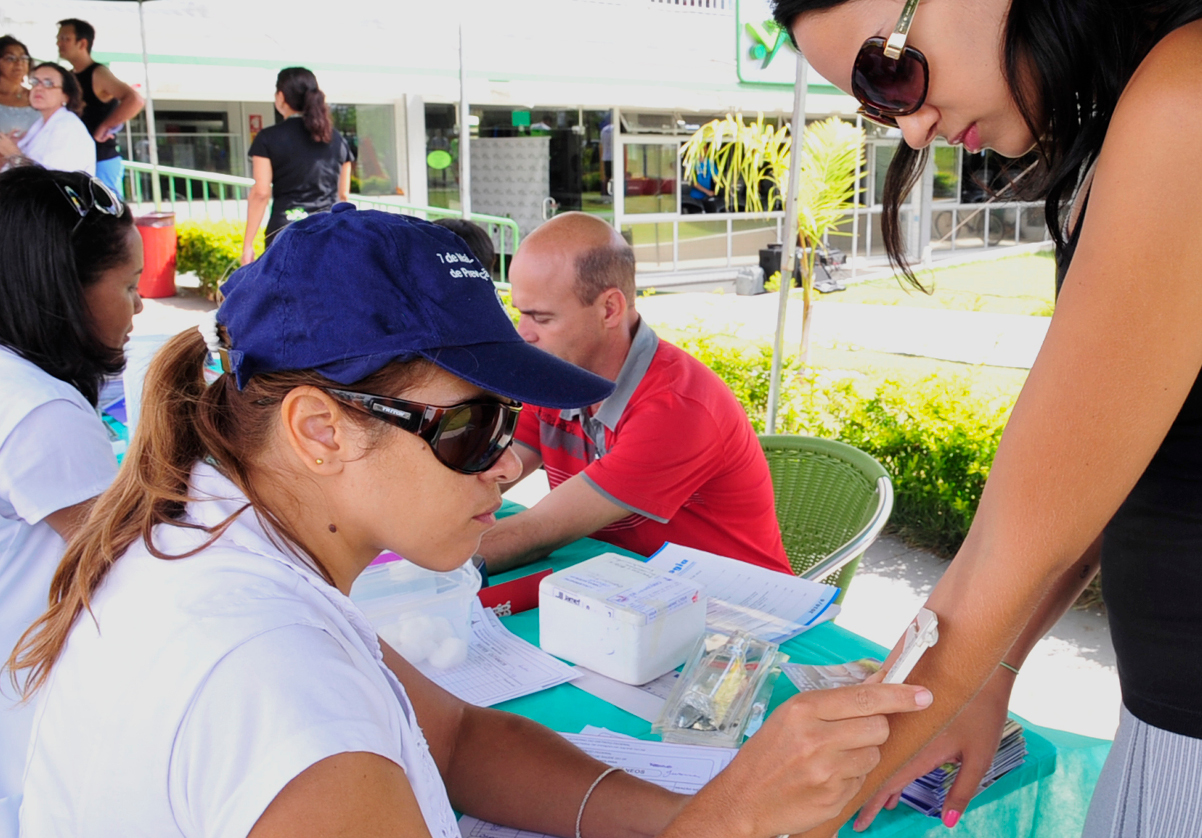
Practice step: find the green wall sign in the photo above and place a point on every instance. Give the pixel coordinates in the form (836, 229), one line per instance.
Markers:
(765, 53)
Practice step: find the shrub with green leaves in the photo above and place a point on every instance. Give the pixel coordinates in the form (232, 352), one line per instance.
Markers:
(212, 250)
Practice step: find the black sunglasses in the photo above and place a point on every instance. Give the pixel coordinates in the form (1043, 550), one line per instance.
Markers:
(468, 437)
(889, 78)
(100, 198)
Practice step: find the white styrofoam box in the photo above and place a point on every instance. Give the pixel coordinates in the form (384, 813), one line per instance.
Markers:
(619, 617)
(423, 614)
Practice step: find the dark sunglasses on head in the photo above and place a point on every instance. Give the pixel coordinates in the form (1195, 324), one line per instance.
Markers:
(468, 437)
(99, 198)
(889, 78)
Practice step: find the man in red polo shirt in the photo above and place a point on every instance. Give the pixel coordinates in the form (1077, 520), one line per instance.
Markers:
(670, 456)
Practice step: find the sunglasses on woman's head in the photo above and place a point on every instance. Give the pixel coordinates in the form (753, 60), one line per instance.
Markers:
(99, 198)
(889, 78)
(469, 437)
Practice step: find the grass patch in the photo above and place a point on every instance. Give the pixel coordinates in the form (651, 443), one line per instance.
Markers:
(1022, 284)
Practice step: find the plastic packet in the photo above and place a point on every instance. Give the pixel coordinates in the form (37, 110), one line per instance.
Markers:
(722, 693)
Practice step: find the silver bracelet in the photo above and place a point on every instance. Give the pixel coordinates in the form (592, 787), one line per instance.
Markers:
(1013, 669)
(588, 794)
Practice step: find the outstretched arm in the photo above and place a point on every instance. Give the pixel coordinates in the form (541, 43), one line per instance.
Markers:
(1115, 368)
(972, 738)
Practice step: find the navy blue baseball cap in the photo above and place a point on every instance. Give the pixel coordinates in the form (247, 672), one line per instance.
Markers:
(347, 292)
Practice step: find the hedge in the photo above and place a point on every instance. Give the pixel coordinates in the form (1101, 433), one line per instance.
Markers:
(936, 436)
(212, 250)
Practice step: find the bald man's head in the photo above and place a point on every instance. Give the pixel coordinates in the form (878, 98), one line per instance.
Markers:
(600, 257)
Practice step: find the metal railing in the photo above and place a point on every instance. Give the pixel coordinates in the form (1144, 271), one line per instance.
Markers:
(954, 226)
(193, 195)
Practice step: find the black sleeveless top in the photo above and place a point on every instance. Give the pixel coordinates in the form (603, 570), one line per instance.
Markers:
(1152, 572)
(96, 112)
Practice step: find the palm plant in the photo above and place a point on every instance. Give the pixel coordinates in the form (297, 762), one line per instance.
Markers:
(758, 153)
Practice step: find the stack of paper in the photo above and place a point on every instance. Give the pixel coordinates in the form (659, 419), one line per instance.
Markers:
(927, 793)
(743, 597)
(681, 768)
(499, 666)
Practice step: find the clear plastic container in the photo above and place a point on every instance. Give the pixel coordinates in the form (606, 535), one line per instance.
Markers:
(425, 615)
(722, 694)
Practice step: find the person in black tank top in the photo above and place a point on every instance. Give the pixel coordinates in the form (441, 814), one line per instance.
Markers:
(1101, 461)
(108, 102)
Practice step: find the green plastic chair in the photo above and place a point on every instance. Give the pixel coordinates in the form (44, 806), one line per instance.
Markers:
(832, 501)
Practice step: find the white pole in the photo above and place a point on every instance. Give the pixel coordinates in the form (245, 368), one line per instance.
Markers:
(151, 136)
(788, 256)
(465, 130)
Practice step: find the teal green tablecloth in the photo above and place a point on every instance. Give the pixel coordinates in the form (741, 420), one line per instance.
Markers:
(1047, 796)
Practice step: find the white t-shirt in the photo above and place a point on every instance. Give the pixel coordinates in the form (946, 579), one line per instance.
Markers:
(206, 683)
(54, 453)
(61, 142)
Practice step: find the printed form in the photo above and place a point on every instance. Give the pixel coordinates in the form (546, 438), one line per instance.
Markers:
(499, 666)
(764, 603)
(680, 768)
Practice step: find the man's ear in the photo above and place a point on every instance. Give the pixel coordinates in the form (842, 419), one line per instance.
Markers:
(317, 430)
(614, 307)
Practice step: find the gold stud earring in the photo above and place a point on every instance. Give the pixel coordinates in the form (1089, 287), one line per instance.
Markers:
(318, 461)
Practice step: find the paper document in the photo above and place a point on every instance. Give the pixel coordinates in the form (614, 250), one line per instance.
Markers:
(644, 702)
(743, 597)
(681, 768)
(499, 666)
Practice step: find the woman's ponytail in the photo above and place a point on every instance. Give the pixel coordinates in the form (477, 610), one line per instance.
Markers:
(317, 116)
(150, 488)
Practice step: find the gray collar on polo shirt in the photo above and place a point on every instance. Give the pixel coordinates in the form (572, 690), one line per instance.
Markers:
(638, 359)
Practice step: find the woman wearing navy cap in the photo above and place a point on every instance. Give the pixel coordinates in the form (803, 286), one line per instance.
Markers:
(201, 670)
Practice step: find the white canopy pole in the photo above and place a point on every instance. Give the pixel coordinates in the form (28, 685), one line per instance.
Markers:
(788, 256)
(151, 136)
(465, 129)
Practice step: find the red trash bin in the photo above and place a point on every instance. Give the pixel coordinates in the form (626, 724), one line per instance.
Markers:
(158, 252)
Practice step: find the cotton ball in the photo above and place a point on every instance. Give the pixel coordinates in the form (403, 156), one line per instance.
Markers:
(451, 652)
(414, 639)
(441, 629)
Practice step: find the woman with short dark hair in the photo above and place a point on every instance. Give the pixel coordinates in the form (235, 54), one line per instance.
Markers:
(70, 259)
(59, 139)
(303, 165)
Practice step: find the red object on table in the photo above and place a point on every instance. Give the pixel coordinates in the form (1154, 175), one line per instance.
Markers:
(520, 594)
(158, 252)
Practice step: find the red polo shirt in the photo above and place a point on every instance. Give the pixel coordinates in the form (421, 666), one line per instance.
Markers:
(674, 446)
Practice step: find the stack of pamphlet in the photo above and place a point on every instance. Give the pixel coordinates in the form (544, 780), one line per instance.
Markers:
(927, 793)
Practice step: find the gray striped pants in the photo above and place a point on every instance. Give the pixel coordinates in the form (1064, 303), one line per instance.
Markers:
(1150, 787)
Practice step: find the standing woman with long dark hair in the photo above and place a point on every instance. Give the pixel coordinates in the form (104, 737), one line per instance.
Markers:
(303, 165)
(1101, 461)
(70, 259)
